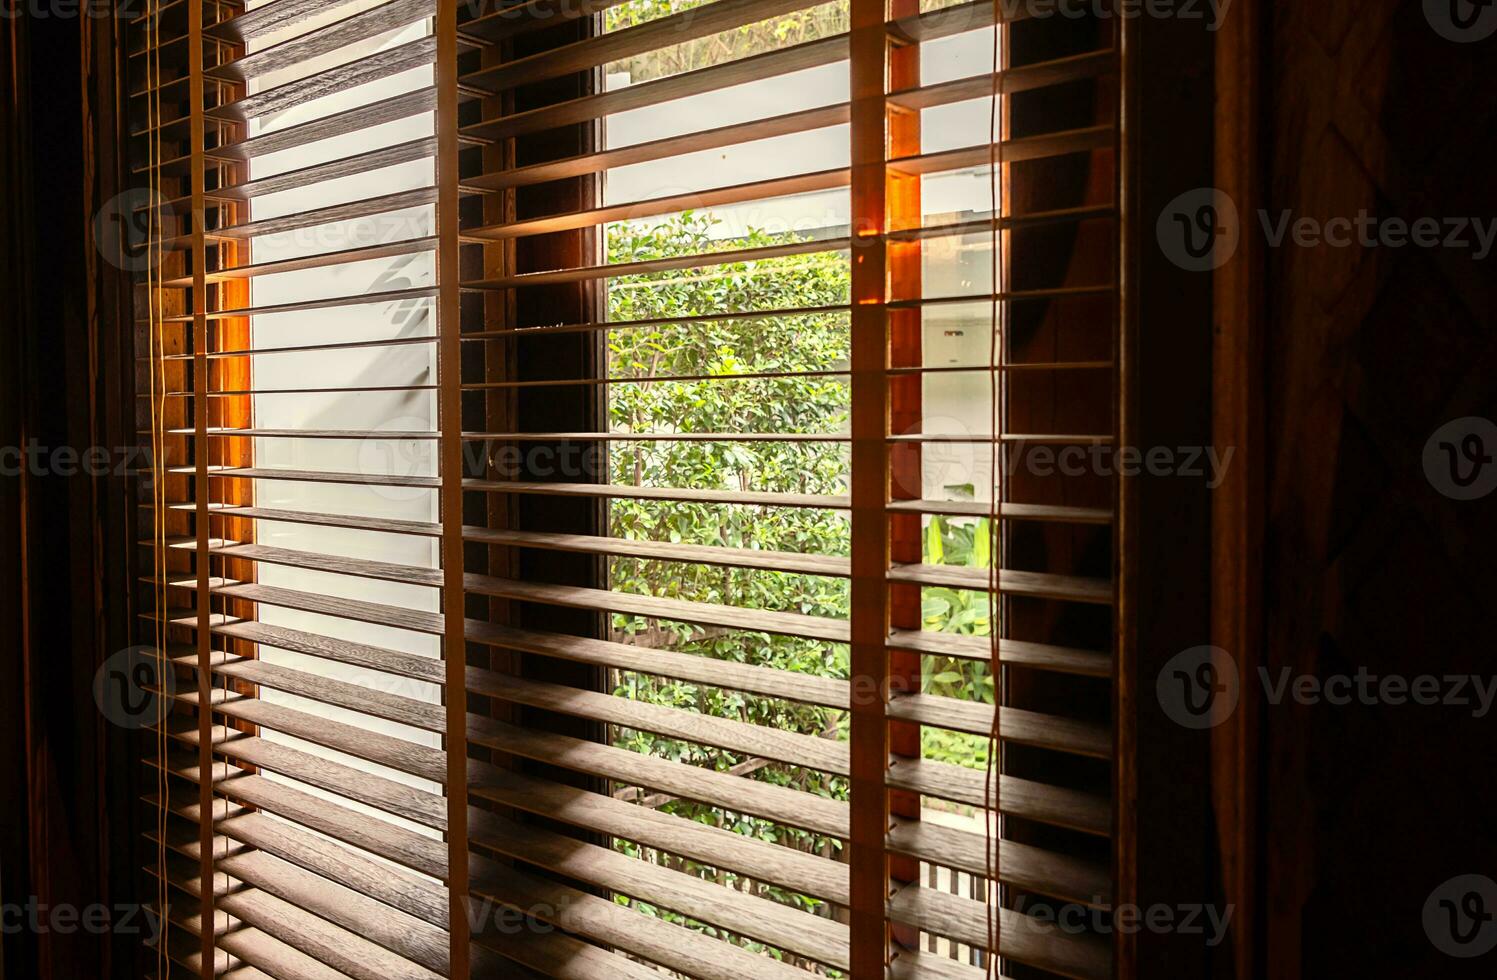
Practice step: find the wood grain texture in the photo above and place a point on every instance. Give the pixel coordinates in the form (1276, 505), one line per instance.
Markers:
(393, 886)
(341, 951)
(758, 859)
(405, 935)
(723, 15)
(615, 925)
(777, 803)
(781, 926)
(733, 617)
(323, 40)
(1024, 866)
(665, 663)
(1024, 939)
(1073, 809)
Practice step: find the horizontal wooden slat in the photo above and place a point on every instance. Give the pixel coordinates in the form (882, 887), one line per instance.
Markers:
(1018, 725)
(243, 392)
(1007, 151)
(556, 956)
(785, 806)
(1040, 585)
(621, 380)
(355, 609)
(665, 663)
(277, 16)
(352, 521)
(1016, 150)
(760, 741)
(958, 18)
(341, 78)
(355, 697)
(299, 348)
(385, 750)
(393, 886)
(714, 78)
(704, 21)
(1022, 938)
(590, 273)
(528, 15)
(622, 436)
(909, 964)
(733, 617)
(1072, 809)
(1018, 797)
(405, 935)
(1009, 296)
(261, 949)
(421, 853)
(344, 952)
(1043, 438)
(632, 210)
(320, 476)
(745, 497)
(1019, 79)
(758, 859)
(1055, 513)
(834, 309)
(322, 260)
(324, 40)
(428, 669)
(359, 163)
(363, 208)
(745, 914)
(1022, 78)
(397, 107)
(357, 435)
(360, 299)
(355, 784)
(336, 564)
(1028, 868)
(187, 841)
(611, 924)
(624, 156)
(1018, 653)
(775, 561)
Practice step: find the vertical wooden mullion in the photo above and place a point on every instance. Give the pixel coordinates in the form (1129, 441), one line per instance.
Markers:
(905, 416)
(200, 482)
(1127, 692)
(450, 422)
(868, 865)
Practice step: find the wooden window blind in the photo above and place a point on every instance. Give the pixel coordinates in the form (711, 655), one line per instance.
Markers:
(605, 517)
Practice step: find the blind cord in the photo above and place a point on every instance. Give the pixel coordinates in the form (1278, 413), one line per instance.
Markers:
(992, 789)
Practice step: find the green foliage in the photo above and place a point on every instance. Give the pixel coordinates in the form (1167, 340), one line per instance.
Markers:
(719, 350)
(767, 35)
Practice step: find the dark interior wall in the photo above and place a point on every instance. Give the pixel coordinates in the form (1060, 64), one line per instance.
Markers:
(67, 774)
(1368, 808)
